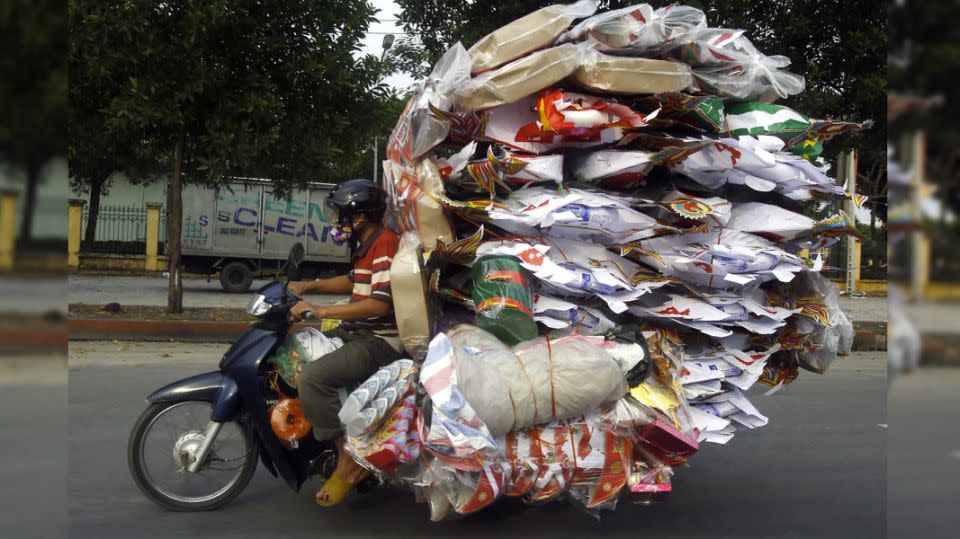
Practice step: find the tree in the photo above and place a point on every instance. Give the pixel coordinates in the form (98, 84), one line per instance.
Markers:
(33, 84)
(925, 61)
(266, 88)
(95, 156)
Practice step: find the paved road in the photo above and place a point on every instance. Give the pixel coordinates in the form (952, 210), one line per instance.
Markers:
(101, 289)
(816, 471)
(33, 438)
(33, 296)
(923, 454)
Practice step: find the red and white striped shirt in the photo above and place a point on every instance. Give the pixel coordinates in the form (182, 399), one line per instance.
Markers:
(371, 276)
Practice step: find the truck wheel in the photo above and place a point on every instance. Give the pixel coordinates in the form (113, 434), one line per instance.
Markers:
(236, 277)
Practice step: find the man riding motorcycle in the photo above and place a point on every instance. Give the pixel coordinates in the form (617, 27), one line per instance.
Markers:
(369, 329)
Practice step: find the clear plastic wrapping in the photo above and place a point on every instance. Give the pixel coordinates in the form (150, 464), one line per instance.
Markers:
(419, 129)
(521, 78)
(370, 403)
(535, 382)
(633, 76)
(410, 302)
(727, 64)
(394, 443)
(502, 296)
(526, 34)
(637, 29)
(305, 346)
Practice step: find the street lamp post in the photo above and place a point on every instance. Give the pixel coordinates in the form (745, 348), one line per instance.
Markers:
(386, 44)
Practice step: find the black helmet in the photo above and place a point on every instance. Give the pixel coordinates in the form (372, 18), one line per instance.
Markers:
(358, 196)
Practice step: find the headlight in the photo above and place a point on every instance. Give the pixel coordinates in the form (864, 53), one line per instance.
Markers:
(259, 306)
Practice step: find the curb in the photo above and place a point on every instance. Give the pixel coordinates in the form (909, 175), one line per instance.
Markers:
(155, 330)
(24, 340)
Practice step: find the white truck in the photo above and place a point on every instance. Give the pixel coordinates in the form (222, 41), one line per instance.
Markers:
(242, 229)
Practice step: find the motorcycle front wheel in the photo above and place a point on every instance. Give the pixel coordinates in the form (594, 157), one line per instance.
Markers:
(164, 443)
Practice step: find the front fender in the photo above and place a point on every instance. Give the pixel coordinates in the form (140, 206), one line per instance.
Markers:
(214, 387)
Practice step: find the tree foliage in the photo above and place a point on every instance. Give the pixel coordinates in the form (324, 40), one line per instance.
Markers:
(925, 61)
(33, 83)
(267, 88)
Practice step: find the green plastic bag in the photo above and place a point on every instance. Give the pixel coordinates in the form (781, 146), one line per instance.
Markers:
(501, 293)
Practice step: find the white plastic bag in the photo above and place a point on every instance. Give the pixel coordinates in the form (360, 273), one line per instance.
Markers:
(312, 343)
(539, 381)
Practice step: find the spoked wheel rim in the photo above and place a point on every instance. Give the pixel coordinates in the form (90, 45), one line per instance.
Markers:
(169, 441)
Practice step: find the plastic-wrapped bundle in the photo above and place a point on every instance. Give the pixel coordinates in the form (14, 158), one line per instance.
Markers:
(717, 259)
(301, 348)
(556, 313)
(414, 193)
(577, 268)
(418, 129)
(581, 115)
(538, 381)
(633, 76)
(637, 29)
(395, 443)
(410, 302)
(509, 169)
(591, 458)
(367, 405)
(575, 214)
(802, 135)
(526, 34)
(821, 330)
(612, 169)
(713, 315)
(682, 210)
(727, 64)
(702, 113)
(504, 303)
(759, 164)
(518, 126)
(520, 78)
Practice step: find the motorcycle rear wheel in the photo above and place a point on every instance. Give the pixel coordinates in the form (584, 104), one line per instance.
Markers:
(177, 440)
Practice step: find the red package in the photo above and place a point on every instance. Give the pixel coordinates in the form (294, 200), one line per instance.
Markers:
(489, 486)
(553, 457)
(618, 452)
(522, 474)
(666, 443)
(396, 442)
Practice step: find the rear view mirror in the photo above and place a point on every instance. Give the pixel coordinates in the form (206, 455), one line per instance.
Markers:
(294, 260)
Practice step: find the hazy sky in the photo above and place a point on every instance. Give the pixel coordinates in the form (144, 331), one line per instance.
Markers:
(373, 42)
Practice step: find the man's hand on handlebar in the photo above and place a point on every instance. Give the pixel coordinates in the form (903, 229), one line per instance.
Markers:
(303, 310)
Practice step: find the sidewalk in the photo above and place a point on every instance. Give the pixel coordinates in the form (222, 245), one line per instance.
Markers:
(152, 291)
(866, 309)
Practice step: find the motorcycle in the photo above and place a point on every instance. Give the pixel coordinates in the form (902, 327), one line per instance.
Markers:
(196, 446)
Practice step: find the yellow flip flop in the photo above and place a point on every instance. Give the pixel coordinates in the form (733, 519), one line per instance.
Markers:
(336, 490)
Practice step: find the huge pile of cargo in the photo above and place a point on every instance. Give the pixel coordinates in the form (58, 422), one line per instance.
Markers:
(602, 228)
